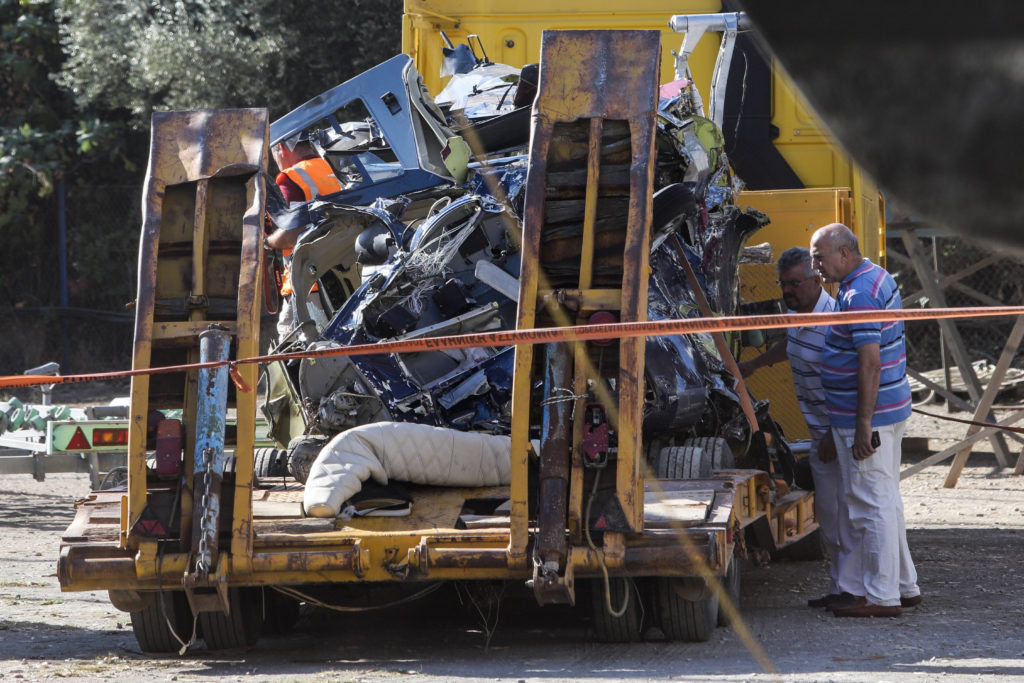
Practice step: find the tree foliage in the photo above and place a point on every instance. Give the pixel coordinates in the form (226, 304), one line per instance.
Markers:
(142, 55)
(44, 139)
(147, 55)
(78, 82)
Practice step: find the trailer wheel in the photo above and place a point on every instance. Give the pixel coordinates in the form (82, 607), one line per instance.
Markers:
(240, 627)
(731, 585)
(680, 618)
(165, 624)
(608, 628)
(270, 462)
(683, 463)
(114, 478)
(719, 454)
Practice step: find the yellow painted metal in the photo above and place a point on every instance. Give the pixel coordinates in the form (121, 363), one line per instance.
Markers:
(795, 215)
(299, 554)
(586, 76)
(759, 283)
(510, 31)
(200, 263)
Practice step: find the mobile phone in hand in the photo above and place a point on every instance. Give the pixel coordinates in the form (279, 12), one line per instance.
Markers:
(876, 440)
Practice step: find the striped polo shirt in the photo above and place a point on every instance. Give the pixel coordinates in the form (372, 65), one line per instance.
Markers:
(867, 288)
(804, 350)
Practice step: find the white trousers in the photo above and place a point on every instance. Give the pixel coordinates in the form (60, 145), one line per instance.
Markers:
(876, 561)
(826, 508)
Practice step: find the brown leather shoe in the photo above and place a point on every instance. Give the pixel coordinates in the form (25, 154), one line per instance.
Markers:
(912, 601)
(863, 608)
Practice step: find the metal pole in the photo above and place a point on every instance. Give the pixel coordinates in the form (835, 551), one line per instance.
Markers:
(943, 351)
(209, 457)
(62, 267)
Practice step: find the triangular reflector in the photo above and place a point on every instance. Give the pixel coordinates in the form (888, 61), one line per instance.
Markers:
(78, 441)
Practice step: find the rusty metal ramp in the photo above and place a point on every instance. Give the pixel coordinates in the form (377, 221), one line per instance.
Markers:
(585, 251)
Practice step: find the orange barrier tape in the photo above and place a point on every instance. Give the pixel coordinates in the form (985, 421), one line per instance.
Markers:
(556, 334)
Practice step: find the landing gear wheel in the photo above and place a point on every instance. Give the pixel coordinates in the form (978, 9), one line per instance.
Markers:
(280, 612)
(683, 463)
(608, 628)
(165, 624)
(240, 627)
(682, 619)
(718, 452)
(731, 585)
(302, 451)
(270, 462)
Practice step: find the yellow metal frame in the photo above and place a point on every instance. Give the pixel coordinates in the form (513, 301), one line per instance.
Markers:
(192, 153)
(201, 246)
(510, 31)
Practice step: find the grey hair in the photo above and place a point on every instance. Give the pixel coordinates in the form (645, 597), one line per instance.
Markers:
(846, 238)
(795, 256)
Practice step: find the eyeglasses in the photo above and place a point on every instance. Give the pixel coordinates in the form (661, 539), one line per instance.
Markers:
(792, 283)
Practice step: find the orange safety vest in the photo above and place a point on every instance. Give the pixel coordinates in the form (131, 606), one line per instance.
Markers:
(315, 178)
(308, 174)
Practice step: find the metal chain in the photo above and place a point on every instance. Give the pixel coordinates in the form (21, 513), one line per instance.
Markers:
(208, 523)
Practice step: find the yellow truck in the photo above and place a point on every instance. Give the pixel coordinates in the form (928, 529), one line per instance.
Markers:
(794, 170)
(633, 473)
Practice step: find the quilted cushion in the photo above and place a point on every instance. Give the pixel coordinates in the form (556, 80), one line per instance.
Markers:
(416, 453)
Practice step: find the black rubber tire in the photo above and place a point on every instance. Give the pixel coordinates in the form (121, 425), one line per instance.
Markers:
(240, 627)
(611, 629)
(731, 584)
(280, 612)
(153, 625)
(302, 451)
(269, 463)
(115, 478)
(718, 452)
(691, 621)
(683, 462)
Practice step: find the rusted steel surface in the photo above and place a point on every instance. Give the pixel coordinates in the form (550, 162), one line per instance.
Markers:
(586, 226)
(551, 545)
(556, 426)
(199, 261)
(209, 458)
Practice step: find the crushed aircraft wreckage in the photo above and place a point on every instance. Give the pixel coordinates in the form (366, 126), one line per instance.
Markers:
(424, 240)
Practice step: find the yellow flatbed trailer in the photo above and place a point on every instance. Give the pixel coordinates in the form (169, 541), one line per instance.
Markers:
(195, 544)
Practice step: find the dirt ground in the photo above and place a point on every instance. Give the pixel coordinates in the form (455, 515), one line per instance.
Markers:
(966, 542)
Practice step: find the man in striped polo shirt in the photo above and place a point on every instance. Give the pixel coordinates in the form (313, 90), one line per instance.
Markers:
(802, 292)
(863, 372)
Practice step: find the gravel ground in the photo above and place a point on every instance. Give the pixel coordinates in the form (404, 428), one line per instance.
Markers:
(966, 542)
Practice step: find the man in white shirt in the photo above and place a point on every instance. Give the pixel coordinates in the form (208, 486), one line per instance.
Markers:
(803, 293)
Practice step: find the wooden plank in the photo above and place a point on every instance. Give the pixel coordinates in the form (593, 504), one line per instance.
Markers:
(936, 297)
(590, 204)
(188, 330)
(985, 432)
(940, 390)
(989, 397)
(946, 280)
